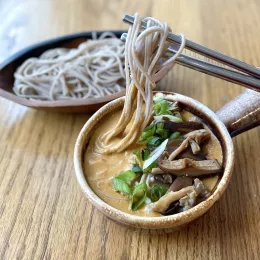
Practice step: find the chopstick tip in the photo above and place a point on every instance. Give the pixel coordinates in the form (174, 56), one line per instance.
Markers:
(123, 37)
(128, 18)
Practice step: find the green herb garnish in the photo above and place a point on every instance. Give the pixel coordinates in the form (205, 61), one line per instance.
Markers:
(162, 107)
(145, 153)
(155, 154)
(122, 182)
(175, 135)
(136, 168)
(138, 196)
(168, 117)
(126, 176)
(148, 132)
(137, 153)
(150, 167)
(164, 133)
(155, 141)
(157, 191)
(145, 141)
(121, 186)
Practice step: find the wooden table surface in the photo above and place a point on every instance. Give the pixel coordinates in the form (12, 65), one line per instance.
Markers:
(43, 213)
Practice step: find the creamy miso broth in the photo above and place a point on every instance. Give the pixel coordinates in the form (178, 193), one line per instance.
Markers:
(100, 169)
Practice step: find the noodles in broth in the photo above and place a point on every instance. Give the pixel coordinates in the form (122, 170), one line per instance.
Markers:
(153, 155)
(143, 65)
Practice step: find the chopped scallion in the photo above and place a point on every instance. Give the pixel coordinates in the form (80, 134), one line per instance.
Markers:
(136, 168)
(164, 133)
(156, 192)
(162, 108)
(155, 141)
(126, 176)
(175, 135)
(139, 196)
(145, 153)
(168, 117)
(155, 155)
(145, 141)
(150, 167)
(148, 131)
(121, 186)
(137, 153)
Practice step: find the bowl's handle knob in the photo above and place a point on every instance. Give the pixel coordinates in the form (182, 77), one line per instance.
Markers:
(241, 113)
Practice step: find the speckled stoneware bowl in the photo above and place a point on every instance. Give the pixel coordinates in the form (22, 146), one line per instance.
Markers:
(236, 121)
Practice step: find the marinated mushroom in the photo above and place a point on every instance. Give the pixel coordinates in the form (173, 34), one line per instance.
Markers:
(200, 156)
(173, 209)
(199, 136)
(187, 198)
(164, 178)
(180, 182)
(190, 199)
(164, 202)
(157, 171)
(183, 127)
(183, 146)
(187, 153)
(194, 138)
(194, 146)
(189, 167)
(200, 188)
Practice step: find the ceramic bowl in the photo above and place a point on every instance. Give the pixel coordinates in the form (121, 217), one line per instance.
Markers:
(163, 223)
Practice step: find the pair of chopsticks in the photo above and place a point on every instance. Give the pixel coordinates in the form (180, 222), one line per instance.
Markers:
(246, 75)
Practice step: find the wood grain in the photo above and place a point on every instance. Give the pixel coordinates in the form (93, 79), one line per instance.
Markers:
(43, 213)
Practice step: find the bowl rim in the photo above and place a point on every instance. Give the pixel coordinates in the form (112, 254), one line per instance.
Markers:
(161, 222)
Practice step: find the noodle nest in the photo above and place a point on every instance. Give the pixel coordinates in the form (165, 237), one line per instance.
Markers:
(93, 70)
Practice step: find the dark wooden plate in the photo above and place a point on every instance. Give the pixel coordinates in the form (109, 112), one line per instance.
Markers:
(9, 66)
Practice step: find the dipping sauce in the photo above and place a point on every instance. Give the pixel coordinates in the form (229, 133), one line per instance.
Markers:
(101, 168)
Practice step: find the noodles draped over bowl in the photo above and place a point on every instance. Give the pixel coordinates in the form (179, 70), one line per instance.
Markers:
(93, 70)
(154, 157)
(144, 63)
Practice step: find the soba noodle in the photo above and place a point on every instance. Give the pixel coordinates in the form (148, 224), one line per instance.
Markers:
(143, 64)
(93, 70)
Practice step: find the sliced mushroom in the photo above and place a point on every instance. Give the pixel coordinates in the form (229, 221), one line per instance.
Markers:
(194, 146)
(157, 171)
(180, 182)
(164, 202)
(173, 144)
(194, 138)
(199, 136)
(183, 127)
(189, 167)
(173, 209)
(183, 146)
(164, 178)
(200, 188)
(190, 199)
(200, 156)
(186, 153)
